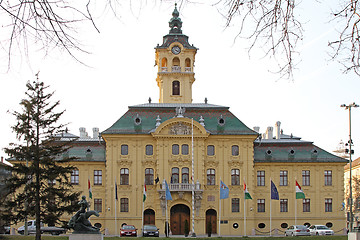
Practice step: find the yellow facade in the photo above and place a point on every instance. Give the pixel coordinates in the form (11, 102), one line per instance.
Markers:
(155, 141)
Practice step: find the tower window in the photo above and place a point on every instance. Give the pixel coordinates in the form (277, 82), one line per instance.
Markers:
(175, 88)
(164, 65)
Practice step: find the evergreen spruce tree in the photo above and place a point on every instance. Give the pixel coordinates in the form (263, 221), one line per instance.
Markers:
(39, 186)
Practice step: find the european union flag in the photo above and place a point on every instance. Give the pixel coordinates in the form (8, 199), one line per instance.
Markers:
(224, 190)
(274, 192)
(167, 192)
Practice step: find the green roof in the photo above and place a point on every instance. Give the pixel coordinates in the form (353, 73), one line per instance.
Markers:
(290, 151)
(148, 113)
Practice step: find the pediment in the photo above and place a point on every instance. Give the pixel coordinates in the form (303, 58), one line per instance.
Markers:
(180, 127)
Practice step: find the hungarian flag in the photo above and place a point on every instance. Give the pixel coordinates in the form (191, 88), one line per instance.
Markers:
(144, 195)
(299, 193)
(246, 192)
(89, 187)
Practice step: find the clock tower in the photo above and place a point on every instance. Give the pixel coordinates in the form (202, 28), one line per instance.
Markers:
(175, 59)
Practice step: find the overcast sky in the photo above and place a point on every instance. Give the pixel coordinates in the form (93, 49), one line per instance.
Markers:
(122, 74)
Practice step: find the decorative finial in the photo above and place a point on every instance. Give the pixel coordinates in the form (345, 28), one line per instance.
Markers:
(206, 100)
(149, 99)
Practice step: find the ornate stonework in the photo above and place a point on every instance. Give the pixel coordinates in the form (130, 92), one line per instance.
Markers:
(180, 129)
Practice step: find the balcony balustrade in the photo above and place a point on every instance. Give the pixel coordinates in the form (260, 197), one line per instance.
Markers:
(176, 69)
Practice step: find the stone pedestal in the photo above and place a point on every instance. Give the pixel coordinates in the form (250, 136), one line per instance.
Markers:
(354, 236)
(86, 236)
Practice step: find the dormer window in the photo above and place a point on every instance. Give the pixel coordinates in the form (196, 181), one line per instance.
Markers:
(175, 88)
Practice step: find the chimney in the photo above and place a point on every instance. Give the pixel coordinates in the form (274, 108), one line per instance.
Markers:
(269, 133)
(83, 133)
(277, 129)
(256, 129)
(2, 159)
(95, 133)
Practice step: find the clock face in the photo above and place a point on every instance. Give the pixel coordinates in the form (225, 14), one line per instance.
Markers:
(176, 50)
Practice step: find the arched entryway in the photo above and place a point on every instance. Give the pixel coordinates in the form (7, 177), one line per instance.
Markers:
(178, 214)
(211, 217)
(149, 217)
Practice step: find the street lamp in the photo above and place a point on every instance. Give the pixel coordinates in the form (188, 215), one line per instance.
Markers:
(348, 107)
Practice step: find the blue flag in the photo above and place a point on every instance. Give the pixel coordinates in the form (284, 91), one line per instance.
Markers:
(167, 192)
(274, 192)
(224, 190)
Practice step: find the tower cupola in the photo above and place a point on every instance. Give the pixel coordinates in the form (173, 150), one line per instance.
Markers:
(175, 59)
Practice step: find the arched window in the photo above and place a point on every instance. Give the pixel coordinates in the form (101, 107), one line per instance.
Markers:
(149, 176)
(175, 88)
(175, 149)
(210, 176)
(187, 65)
(164, 65)
(176, 61)
(124, 176)
(185, 175)
(235, 177)
(175, 175)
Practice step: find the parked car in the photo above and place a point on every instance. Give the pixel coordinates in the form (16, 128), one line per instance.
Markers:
(150, 231)
(297, 230)
(128, 231)
(320, 230)
(32, 229)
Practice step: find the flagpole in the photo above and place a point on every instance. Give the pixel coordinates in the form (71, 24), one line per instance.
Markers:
(142, 213)
(244, 211)
(270, 206)
(220, 207)
(192, 178)
(166, 222)
(115, 208)
(295, 202)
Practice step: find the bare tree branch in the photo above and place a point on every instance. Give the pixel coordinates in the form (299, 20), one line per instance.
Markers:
(347, 46)
(270, 24)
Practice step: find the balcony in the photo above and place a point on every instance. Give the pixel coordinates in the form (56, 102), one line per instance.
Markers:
(187, 69)
(176, 69)
(164, 69)
(184, 187)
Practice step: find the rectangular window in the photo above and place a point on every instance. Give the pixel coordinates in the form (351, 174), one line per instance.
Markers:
(283, 205)
(149, 176)
(210, 176)
(210, 150)
(124, 176)
(74, 179)
(328, 204)
(261, 205)
(306, 205)
(185, 149)
(235, 177)
(283, 178)
(97, 177)
(235, 150)
(124, 205)
(261, 178)
(124, 149)
(98, 204)
(235, 205)
(306, 178)
(175, 149)
(328, 177)
(149, 150)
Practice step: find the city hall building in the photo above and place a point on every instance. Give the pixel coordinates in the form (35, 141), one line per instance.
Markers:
(192, 146)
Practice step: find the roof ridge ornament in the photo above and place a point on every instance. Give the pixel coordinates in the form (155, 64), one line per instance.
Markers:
(175, 22)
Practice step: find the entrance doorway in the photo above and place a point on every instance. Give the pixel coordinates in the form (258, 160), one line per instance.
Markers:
(178, 215)
(149, 217)
(211, 217)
